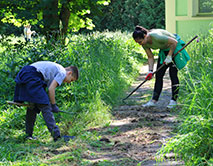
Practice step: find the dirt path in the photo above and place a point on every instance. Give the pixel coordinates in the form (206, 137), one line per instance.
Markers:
(136, 133)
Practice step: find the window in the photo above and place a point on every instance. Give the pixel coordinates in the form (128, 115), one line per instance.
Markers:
(205, 6)
(202, 7)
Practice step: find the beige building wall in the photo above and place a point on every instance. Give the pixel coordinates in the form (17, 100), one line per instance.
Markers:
(182, 17)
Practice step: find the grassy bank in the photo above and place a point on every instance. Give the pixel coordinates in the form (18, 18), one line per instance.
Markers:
(108, 63)
(193, 142)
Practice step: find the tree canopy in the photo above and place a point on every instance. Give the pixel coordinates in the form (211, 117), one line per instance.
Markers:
(50, 16)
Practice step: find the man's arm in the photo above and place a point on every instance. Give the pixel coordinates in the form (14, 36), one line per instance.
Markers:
(51, 91)
(150, 58)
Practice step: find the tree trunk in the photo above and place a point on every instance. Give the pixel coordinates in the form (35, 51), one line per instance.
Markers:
(51, 19)
(64, 17)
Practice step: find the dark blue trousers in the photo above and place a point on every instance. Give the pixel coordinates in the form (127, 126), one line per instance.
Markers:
(48, 118)
(30, 87)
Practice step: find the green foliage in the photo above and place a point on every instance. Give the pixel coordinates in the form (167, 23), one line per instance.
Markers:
(108, 63)
(193, 142)
(118, 15)
(206, 6)
(126, 14)
(49, 17)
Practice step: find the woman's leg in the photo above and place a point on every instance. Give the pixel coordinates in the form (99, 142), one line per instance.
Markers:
(159, 81)
(173, 73)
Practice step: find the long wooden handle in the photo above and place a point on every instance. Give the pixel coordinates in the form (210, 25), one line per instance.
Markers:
(28, 105)
(17, 104)
(176, 54)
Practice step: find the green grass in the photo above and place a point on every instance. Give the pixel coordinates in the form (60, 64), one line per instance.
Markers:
(108, 63)
(194, 140)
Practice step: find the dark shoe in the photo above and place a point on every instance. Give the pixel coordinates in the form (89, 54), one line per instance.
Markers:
(57, 138)
(65, 137)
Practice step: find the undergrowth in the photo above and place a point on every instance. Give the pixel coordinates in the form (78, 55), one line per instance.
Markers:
(108, 63)
(194, 140)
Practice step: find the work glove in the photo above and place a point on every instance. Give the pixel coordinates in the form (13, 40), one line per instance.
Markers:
(55, 108)
(168, 59)
(149, 75)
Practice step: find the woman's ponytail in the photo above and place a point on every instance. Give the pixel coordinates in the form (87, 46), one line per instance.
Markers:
(139, 32)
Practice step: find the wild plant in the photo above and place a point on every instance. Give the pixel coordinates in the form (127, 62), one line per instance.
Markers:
(193, 142)
(108, 62)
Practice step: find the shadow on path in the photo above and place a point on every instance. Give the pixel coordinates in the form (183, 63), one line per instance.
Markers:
(136, 134)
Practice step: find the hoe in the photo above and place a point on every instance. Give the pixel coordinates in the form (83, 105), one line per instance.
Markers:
(159, 68)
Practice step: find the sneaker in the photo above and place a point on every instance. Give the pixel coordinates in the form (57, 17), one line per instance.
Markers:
(30, 138)
(172, 104)
(149, 104)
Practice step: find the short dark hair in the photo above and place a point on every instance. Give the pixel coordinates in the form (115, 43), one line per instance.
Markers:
(139, 32)
(74, 70)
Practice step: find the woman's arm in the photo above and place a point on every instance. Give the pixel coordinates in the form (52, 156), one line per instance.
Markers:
(172, 43)
(150, 58)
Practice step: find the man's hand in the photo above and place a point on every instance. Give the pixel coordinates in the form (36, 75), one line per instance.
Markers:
(168, 59)
(55, 108)
(149, 75)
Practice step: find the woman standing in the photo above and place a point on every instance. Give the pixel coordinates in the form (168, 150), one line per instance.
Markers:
(168, 44)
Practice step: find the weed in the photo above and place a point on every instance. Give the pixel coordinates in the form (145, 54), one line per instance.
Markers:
(108, 62)
(193, 142)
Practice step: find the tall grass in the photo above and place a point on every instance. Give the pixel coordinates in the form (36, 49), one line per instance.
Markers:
(194, 140)
(108, 63)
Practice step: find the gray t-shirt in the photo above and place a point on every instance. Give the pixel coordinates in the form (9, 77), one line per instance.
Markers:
(50, 71)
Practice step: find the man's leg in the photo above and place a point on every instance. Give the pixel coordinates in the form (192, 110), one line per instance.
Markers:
(30, 120)
(49, 120)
